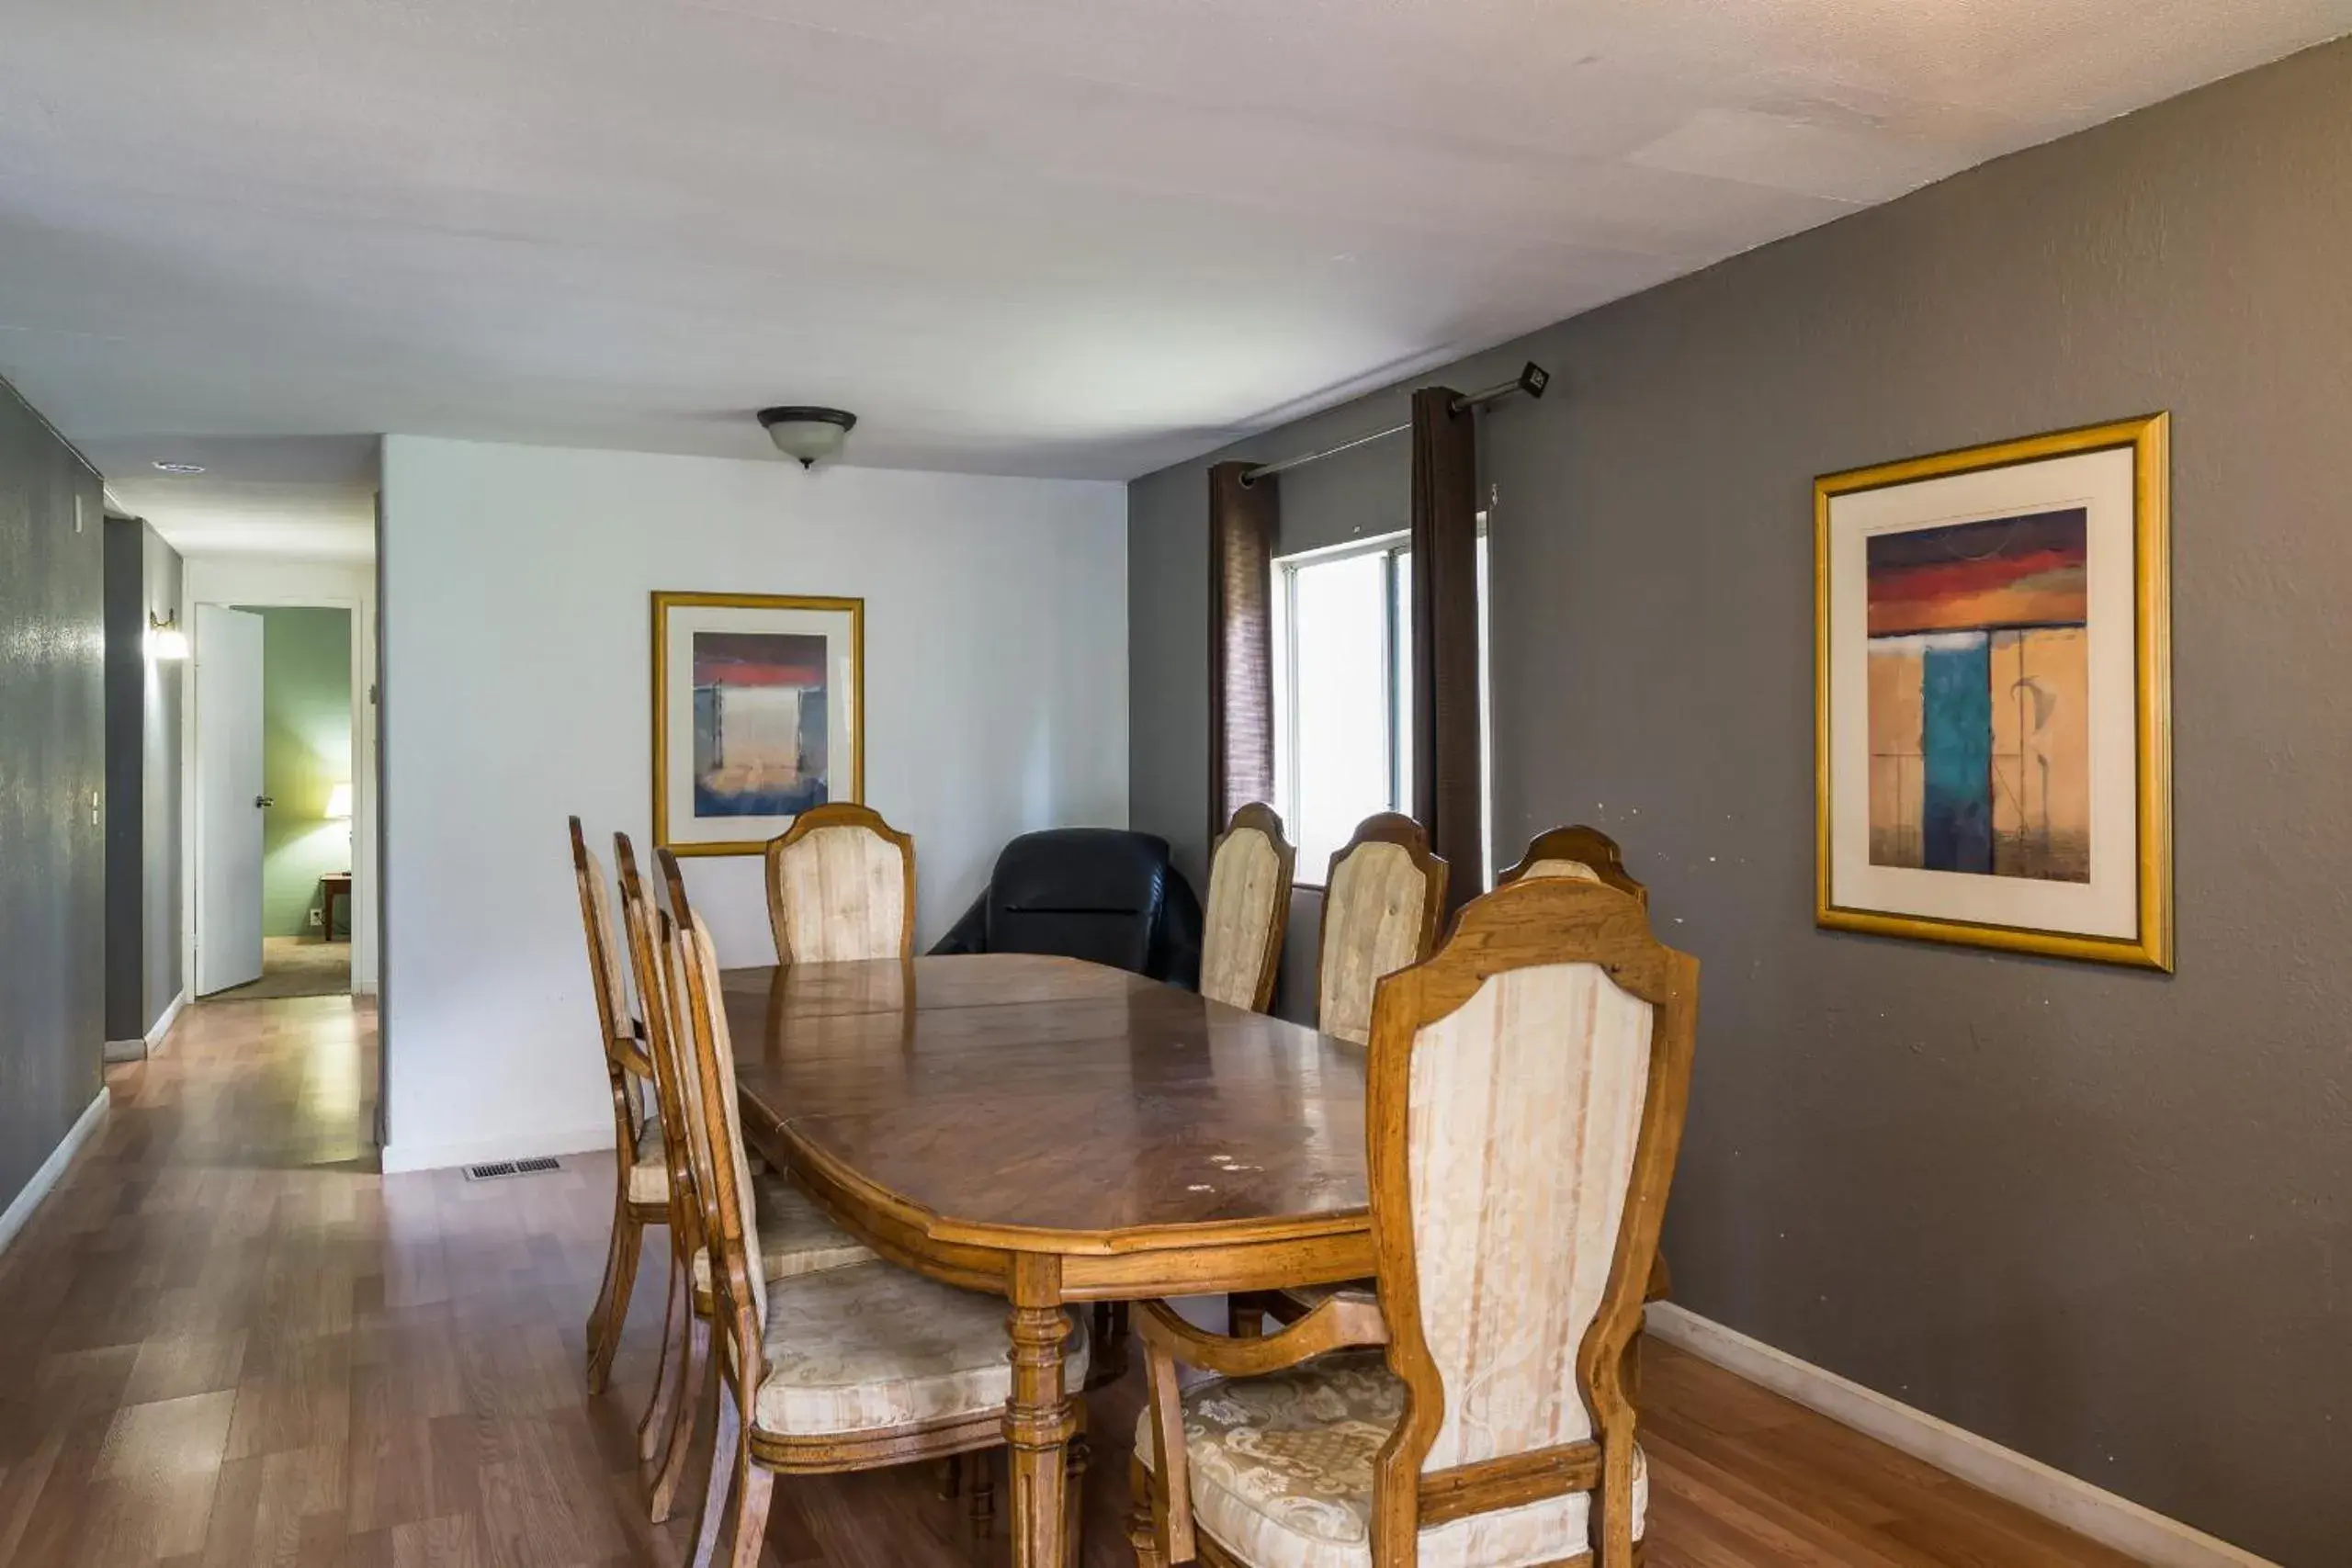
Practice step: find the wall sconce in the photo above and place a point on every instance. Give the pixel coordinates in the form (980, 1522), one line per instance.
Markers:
(339, 804)
(165, 641)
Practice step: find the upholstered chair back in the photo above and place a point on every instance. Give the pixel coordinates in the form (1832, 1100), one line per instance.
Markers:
(626, 1068)
(1525, 1095)
(702, 1157)
(1587, 855)
(604, 952)
(735, 1228)
(1524, 1108)
(841, 887)
(1249, 905)
(645, 930)
(1381, 904)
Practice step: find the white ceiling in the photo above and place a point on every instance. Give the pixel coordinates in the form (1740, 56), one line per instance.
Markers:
(291, 497)
(1068, 237)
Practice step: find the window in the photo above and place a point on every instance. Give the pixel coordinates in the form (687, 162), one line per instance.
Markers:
(1343, 689)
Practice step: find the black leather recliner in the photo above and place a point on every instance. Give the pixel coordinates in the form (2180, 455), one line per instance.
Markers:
(1100, 893)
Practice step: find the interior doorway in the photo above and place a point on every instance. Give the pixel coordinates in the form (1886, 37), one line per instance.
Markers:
(276, 769)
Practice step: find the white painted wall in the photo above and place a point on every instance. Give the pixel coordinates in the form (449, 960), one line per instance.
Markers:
(517, 615)
(258, 580)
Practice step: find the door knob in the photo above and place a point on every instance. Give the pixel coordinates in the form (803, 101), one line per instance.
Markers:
(264, 802)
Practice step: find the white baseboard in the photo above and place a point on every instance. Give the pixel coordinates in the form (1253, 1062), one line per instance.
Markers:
(146, 1045)
(163, 1028)
(20, 1209)
(2063, 1499)
(403, 1157)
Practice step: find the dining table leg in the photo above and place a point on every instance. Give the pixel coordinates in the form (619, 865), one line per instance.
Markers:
(1038, 1420)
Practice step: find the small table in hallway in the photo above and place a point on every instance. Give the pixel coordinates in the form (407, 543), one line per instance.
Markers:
(335, 885)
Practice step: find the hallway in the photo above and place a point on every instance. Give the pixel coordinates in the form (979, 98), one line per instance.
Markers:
(296, 966)
(234, 1344)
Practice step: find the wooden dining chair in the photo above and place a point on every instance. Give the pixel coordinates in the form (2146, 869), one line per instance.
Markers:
(841, 887)
(1524, 1099)
(795, 1237)
(1581, 853)
(1241, 930)
(847, 1369)
(1586, 853)
(1381, 904)
(640, 1184)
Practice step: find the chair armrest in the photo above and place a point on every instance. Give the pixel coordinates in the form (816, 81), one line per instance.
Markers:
(1340, 1321)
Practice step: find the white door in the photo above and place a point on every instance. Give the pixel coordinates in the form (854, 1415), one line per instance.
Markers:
(229, 801)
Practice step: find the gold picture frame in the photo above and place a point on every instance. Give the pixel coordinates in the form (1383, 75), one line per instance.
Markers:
(677, 618)
(1870, 874)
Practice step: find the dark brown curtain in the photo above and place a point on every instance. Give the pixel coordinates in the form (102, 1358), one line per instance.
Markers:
(1445, 636)
(1242, 522)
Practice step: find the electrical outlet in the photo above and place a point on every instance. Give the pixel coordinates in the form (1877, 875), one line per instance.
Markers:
(94, 809)
(317, 916)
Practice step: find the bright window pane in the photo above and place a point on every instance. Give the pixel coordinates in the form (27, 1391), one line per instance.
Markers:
(1401, 674)
(1485, 715)
(1340, 765)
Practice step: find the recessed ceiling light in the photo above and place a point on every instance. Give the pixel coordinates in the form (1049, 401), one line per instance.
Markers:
(179, 467)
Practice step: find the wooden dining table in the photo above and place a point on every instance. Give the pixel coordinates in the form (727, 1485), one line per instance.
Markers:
(1057, 1133)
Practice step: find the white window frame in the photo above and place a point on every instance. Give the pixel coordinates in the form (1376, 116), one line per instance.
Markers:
(1283, 600)
(1398, 547)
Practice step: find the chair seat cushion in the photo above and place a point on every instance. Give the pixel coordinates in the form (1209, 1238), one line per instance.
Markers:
(1281, 1470)
(648, 1178)
(873, 1346)
(795, 1237)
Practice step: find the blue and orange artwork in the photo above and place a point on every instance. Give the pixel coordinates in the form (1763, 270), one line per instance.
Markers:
(760, 706)
(1979, 697)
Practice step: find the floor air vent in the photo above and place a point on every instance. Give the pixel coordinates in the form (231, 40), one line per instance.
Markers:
(512, 1167)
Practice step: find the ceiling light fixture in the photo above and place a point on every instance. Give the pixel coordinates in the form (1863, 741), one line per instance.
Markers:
(808, 434)
(179, 467)
(165, 641)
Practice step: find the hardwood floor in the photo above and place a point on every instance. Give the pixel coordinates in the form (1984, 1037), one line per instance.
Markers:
(230, 1343)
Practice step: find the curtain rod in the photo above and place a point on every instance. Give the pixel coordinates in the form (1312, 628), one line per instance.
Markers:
(1531, 380)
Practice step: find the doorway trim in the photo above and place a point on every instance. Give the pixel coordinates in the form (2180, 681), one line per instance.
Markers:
(266, 582)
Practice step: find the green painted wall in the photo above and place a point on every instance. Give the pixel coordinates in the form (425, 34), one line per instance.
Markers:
(306, 752)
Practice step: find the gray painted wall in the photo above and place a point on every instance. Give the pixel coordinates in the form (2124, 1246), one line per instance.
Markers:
(160, 938)
(52, 763)
(2102, 1217)
(142, 716)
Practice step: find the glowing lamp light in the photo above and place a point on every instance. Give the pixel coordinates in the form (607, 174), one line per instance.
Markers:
(165, 641)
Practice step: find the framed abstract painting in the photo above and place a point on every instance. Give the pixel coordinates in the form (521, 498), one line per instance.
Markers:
(759, 713)
(1993, 711)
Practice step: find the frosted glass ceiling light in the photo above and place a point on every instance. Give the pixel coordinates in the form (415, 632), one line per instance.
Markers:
(808, 434)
